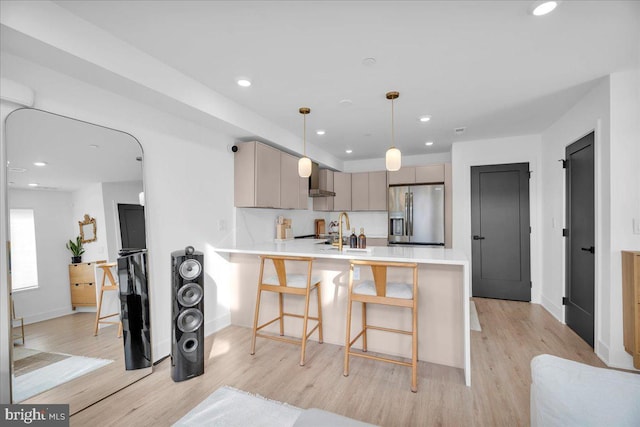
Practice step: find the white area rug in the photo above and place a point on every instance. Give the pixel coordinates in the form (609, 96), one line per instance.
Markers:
(230, 407)
(474, 323)
(43, 379)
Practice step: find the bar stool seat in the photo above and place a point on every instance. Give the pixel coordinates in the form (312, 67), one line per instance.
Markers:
(107, 275)
(293, 280)
(379, 291)
(394, 290)
(288, 284)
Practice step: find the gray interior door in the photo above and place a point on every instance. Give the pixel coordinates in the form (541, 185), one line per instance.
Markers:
(580, 233)
(500, 231)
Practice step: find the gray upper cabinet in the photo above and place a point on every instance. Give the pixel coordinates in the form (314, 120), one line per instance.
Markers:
(430, 174)
(342, 188)
(360, 191)
(265, 177)
(406, 175)
(289, 181)
(378, 191)
(417, 175)
(256, 176)
(369, 191)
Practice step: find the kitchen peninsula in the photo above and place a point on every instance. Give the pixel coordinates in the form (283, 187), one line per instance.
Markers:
(443, 296)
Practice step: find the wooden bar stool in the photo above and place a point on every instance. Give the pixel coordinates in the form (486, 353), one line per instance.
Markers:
(379, 291)
(20, 319)
(290, 284)
(112, 286)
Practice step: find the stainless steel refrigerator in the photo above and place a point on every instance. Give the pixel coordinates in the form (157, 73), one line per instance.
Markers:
(416, 214)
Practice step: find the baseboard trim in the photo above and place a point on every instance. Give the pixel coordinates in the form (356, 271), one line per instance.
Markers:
(555, 310)
(40, 317)
(602, 351)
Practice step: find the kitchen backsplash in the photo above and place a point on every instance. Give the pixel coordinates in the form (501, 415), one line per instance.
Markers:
(259, 225)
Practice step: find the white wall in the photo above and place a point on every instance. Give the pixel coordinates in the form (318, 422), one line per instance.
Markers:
(54, 226)
(114, 193)
(184, 168)
(88, 201)
(518, 149)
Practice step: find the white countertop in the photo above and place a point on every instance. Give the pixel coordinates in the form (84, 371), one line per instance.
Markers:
(317, 249)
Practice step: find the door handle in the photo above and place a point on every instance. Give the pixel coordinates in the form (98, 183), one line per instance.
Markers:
(590, 249)
(478, 238)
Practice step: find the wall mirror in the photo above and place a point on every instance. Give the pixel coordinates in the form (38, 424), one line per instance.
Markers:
(87, 229)
(58, 170)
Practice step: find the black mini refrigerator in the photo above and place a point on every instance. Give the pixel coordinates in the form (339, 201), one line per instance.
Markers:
(134, 304)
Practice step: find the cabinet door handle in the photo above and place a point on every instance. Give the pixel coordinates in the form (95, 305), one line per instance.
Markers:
(590, 249)
(478, 238)
(77, 284)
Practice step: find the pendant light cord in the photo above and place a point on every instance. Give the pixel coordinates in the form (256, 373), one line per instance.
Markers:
(393, 138)
(304, 135)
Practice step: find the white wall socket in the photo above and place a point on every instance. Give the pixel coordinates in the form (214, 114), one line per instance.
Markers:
(356, 273)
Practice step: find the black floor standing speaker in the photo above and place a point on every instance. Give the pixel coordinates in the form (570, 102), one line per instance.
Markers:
(187, 331)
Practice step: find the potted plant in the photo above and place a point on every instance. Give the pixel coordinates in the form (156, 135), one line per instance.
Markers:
(76, 249)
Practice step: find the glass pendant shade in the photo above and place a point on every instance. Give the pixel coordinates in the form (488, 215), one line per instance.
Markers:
(393, 159)
(304, 167)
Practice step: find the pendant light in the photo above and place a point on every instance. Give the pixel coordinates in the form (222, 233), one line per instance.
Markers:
(393, 159)
(304, 164)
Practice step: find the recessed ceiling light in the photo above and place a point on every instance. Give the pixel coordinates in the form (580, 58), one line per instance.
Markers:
(321, 132)
(544, 8)
(17, 170)
(424, 119)
(348, 151)
(40, 163)
(428, 143)
(345, 102)
(94, 146)
(243, 82)
(33, 184)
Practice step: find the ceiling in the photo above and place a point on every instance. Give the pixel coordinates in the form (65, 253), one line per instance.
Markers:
(77, 153)
(489, 66)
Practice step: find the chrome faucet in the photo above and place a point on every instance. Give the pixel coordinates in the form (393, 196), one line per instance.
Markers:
(339, 244)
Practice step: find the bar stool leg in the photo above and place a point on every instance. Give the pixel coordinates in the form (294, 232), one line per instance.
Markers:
(257, 310)
(414, 336)
(320, 340)
(414, 352)
(281, 305)
(304, 325)
(347, 345)
(95, 332)
(364, 326)
(255, 322)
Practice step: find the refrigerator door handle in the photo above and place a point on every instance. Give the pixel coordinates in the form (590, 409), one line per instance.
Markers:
(411, 214)
(406, 214)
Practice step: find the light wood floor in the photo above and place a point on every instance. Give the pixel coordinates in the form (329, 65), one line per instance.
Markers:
(512, 333)
(73, 334)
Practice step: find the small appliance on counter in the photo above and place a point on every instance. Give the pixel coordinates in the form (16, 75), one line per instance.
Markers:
(320, 228)
(283, 229)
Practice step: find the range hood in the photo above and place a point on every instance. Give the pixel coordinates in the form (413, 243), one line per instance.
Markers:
(315, 189)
